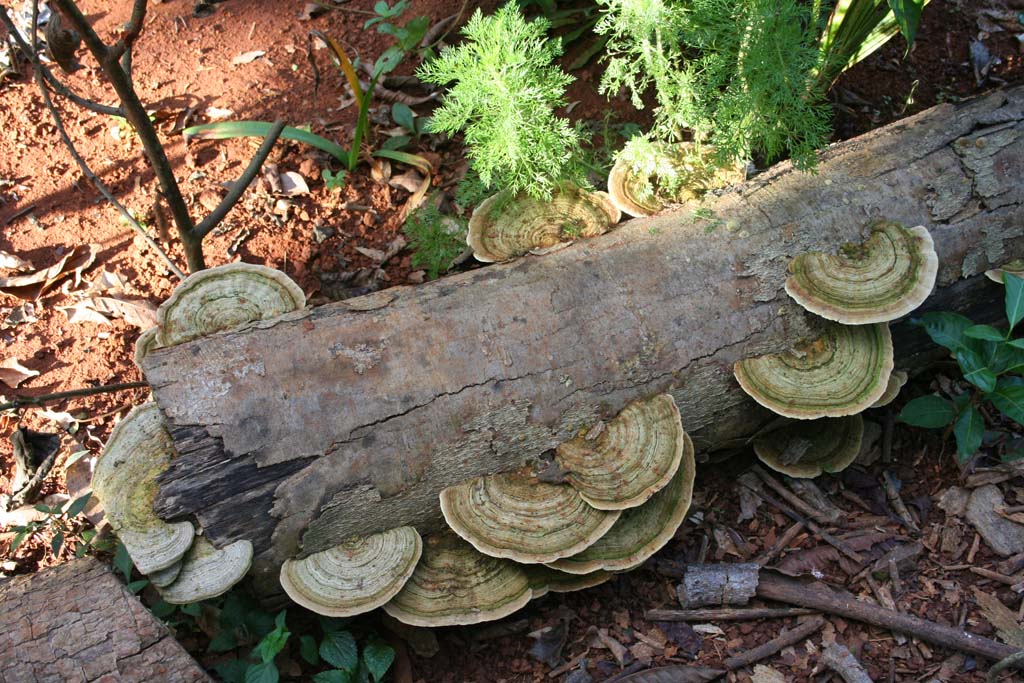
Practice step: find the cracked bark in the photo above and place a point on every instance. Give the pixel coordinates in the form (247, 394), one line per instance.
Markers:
(350, 418)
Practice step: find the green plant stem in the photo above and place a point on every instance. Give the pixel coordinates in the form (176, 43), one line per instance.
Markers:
(22, 401)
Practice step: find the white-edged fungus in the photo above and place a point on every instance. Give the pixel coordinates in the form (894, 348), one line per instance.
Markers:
(884, 278)
(1014, 267)
(517, 517)
(630, 459)
(225, 297)
(544, 580)
(843, 372)
(207, 571)
(356, 576)
(809, 448)
(896, 381)
(138, 450)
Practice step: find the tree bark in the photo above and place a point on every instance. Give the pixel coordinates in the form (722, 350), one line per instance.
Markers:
(350, 418)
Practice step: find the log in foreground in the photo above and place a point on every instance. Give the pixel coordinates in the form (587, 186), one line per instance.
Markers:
(350, 419)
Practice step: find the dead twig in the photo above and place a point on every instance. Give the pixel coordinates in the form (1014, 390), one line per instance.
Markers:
(781, 544)
(800, 504)
(23, 401)
(893, 493)
(776, 644)
(838, 658)
(727, 614)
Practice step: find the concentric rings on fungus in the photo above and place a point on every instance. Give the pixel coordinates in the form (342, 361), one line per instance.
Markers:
(454, 584)
(631, 459)
(843, 372)
(515, 516)
(887, 276)
(207, 571)
(146, 342)
(640, 531)
(356, 576)
(1014, 267)
(808, 449)
(225, 297)
(505, 226)
(544, 580)
(140, 449)
(892, 389)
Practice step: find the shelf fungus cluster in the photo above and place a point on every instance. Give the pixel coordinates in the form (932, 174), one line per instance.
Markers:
(644, 183)
(506, 226)
(514, 537)
(184, 567)
(218, 299)
(849, 367)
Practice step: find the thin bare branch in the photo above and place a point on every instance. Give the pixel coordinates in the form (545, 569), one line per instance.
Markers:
(239, 187)
(131, 31)
(22, 401)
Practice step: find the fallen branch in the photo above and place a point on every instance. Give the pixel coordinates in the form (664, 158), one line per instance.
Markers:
(838, 658)
(24, 401)
(727, 614)
(819, 596)
(776, 644)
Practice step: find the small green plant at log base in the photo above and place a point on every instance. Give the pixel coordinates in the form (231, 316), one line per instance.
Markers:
(408, 35)
(991, 361)
(506, 89)
(435, 239)
(62, 524)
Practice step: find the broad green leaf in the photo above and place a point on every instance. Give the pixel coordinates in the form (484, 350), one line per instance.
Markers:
(272, 643)
(415, 160)
(947, 329)
(975, 371)
(378, 657)
(223, 641)
(403, 116)
(40, 507)
(162, 609)
(1014, 298)
(396, 142)
(223, 130)
(1009, 400)
(985, 332)
(307, 649)
(192, 609)
(136, 586)
(415, 30)
(388, 61)
(1016, 343)
(18, 539)
(264, 672)
(338, 649)
(968, 429)
(908, 17)
(232, 670)
(931, 412)
(77, 505)
(123, 561)
(333, 676)
(57, 542)
(75, 457)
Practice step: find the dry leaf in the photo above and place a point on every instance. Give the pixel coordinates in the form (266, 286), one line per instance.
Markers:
(106, 281)
(20, 315)
(617, 649)
(293, 183)
(83, 312)
(13, 373)
(1012, 516)
(766, 674)
(12, 262)
(63, 420)
(311, 10)
(1001, 617)
(137, 312)
(374, 254)
(247, 57)
(218, 113)
(708, 629)
(410, 181)
(31, 286)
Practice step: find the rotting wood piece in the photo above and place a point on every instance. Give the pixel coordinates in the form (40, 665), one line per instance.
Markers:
(370, 413)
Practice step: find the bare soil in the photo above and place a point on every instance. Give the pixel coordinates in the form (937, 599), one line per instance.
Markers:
(186, 70)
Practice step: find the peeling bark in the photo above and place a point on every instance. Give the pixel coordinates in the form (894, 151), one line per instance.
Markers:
(350, 418)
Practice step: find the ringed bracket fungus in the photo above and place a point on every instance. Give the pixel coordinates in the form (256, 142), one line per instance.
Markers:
(623, 463)
(544, 580)
(843, 372)
(808, 449)
(356, 576)
(517, 517)
(641, 531)
(637, 189)
(454, 584)
(884, 278)
(224, 297)
(138, 450)
(207, 572)
(505, 226)
(1014, 267)
(896, 381)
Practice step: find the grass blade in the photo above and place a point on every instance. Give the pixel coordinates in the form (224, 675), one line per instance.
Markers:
(224, 130)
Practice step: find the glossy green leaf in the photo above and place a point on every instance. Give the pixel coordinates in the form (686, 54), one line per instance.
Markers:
(1009, 400)
(1014, 298)
(223, 130)
(931, 412)
(223, 641)
(136, 586)
(1016, 343)
(19, 538)
(968, 429)
(338, 649)
(947, 330)
(396, 142)
(123, 561)
(308, 651)
(57, 542)
(77, 505)
(264, 672)
(387, 62)
(232, 670)
(985, 332)
(378, 657)
(404, 116)
(975, 371)
(192, 609)
(908, 17)
(333, 676)
(272, 643)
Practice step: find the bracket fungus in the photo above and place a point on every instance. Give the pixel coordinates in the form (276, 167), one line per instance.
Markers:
(896, 381)
(207, 571)
(517, 517)
(807, 449)
(630, 459)
(637, 181)
(1014, 267)
(356, 576)
(885, 277)
(224, 297)
(842, 372)
(138, 450)
(640, 531)
(146, 343)
(165, 577)
(454, 584)
(506, 226)
(544, 580)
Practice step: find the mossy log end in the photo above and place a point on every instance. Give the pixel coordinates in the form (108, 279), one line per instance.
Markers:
(350, 418)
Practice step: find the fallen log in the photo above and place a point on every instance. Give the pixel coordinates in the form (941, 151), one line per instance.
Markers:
(350, 418)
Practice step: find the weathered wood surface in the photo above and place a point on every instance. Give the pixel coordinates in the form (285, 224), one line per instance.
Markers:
(77, 623)
(301, 431)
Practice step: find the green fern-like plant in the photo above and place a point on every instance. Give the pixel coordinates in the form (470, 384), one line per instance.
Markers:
(506, 89)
